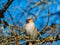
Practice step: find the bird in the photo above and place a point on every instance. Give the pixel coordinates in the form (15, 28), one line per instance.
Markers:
(31, 29)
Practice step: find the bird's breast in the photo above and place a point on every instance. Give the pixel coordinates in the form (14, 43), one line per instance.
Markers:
(29, 27)
(31, 30)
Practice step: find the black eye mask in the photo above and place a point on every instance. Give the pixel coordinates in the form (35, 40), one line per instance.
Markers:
(27, 21)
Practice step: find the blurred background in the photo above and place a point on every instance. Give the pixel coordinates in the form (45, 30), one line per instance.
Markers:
(13, 15)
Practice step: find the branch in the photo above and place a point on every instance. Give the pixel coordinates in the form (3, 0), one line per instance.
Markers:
(52, 14)
(17, 28)
(38, 3)
(11, 17)
(7, 5)
(35, 5)
(44, 28)
(5, 8)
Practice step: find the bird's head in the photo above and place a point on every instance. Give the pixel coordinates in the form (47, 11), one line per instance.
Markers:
(29, 20)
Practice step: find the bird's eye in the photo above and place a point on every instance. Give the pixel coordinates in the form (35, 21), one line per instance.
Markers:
(27, 21)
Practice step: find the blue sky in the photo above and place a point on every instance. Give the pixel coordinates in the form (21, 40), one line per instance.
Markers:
(18, 6)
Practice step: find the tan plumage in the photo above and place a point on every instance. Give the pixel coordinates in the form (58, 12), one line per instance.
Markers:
(30, 28)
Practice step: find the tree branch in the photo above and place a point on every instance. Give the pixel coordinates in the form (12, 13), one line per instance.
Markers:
(5, 8)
